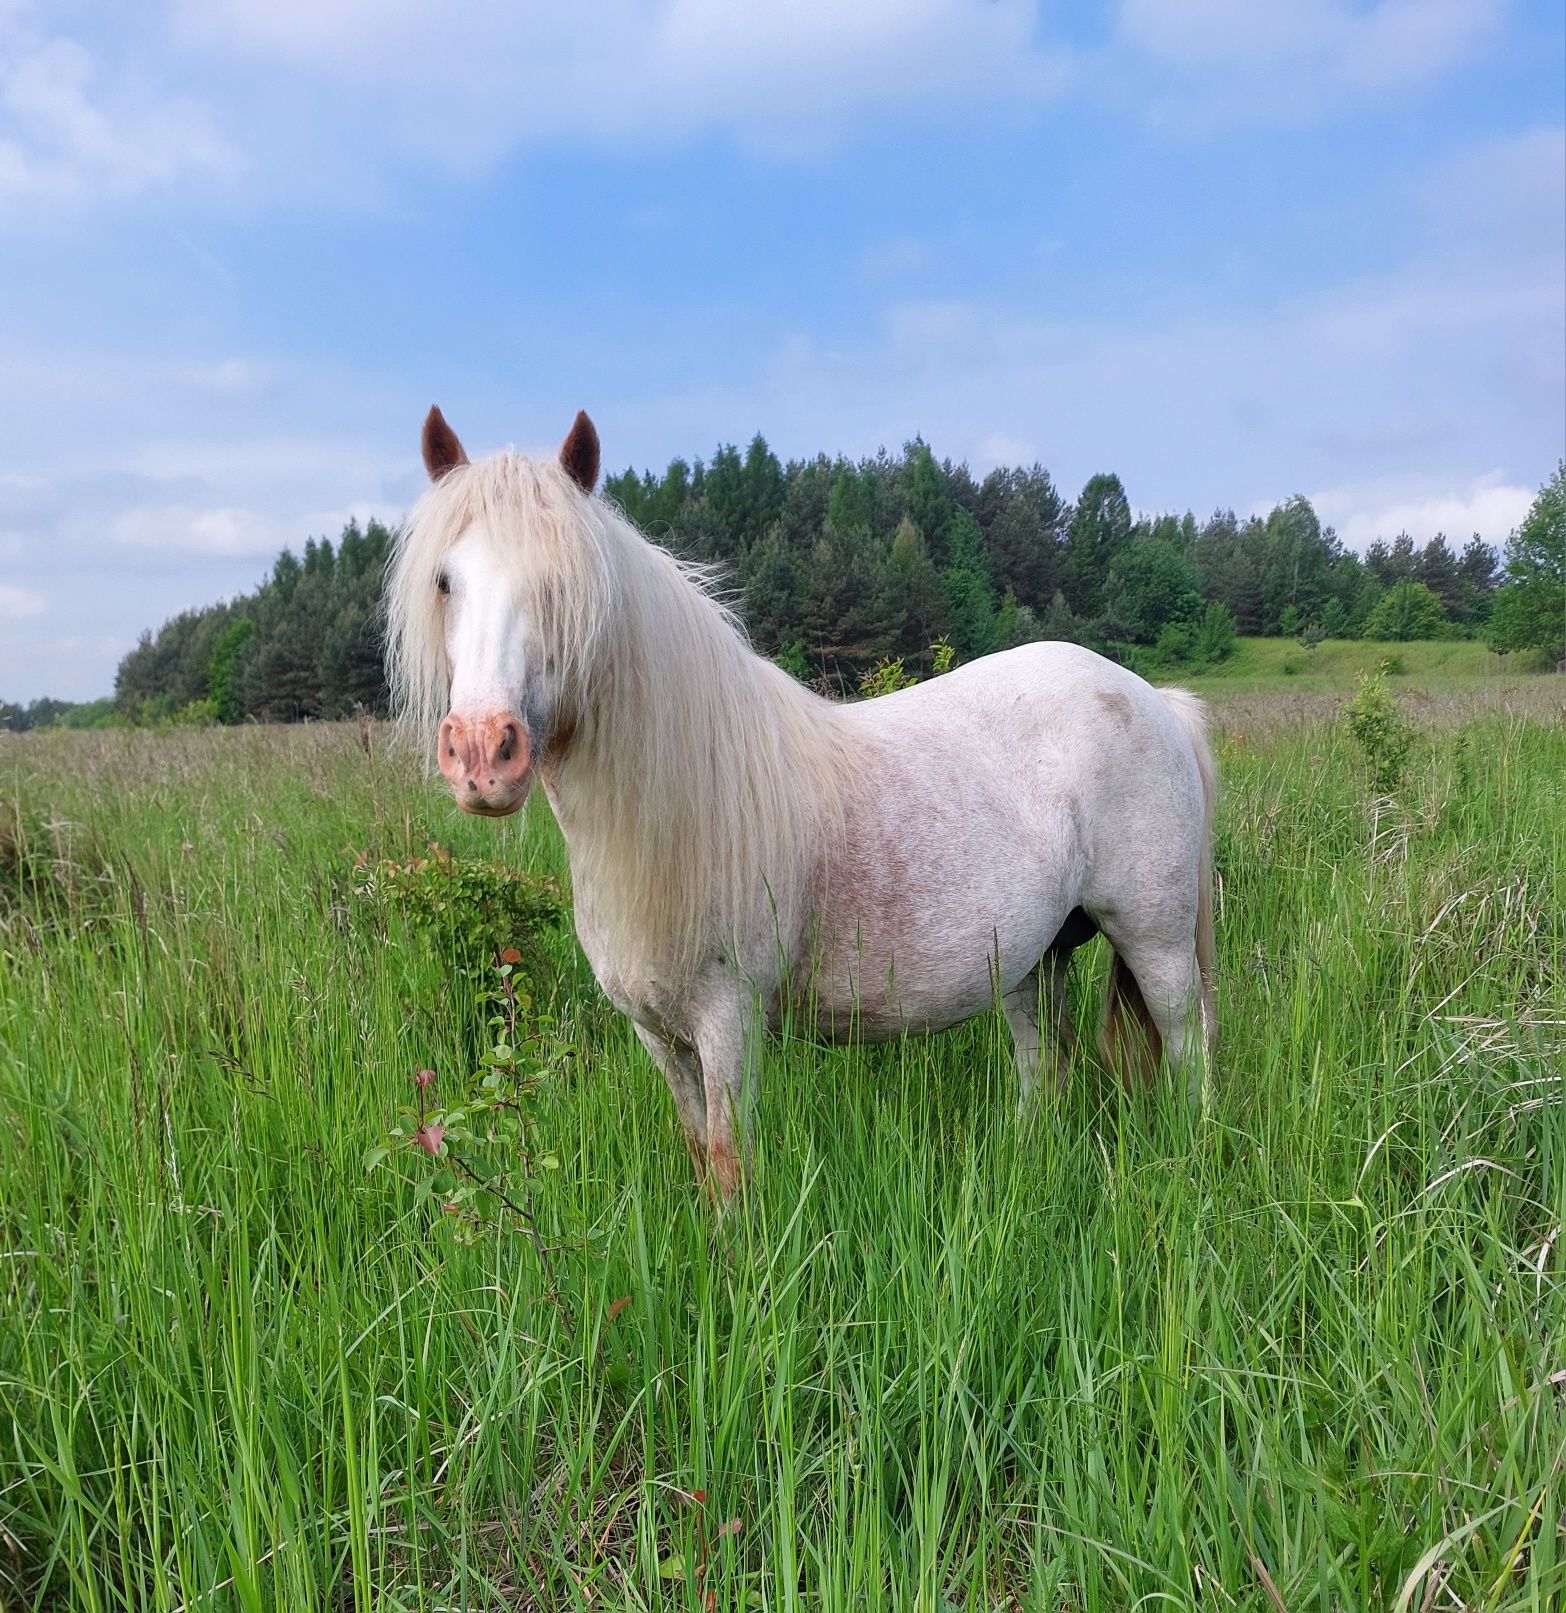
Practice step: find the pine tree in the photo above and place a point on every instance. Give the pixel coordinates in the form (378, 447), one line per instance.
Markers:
(929, 505)
(1478, 568)
(969, 592)
(352, 665)
(1023, 552)
(847, 617)
(1438, 572)
(774, 591)
(853, 500)
(1100, 528)
(918, 609)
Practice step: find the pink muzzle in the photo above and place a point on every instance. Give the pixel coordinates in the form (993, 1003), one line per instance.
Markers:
(487, 761)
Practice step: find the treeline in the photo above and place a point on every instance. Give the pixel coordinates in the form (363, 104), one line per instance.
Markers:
(839, 567)
(50, 713)
(306, 643)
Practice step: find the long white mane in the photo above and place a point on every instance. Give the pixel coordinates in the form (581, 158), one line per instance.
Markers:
(703, 778)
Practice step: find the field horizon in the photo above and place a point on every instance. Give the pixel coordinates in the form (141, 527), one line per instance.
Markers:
(1262, 664)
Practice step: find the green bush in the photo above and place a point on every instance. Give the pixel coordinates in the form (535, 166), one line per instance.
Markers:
(1380, 730)
(469, 910)
(886, 677)
(1216, 634)
(1408, 611)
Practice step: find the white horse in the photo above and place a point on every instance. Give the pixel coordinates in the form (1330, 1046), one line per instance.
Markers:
(742, 848)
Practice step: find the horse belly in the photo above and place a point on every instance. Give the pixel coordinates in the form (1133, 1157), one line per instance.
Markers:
(904, 963)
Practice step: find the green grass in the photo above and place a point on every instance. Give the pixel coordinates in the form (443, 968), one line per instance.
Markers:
(1303, 1350)
(1264, 664)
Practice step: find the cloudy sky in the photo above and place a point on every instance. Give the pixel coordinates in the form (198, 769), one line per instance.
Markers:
(1229, 250)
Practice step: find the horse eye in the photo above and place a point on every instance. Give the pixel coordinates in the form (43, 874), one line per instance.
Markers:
(443, 582)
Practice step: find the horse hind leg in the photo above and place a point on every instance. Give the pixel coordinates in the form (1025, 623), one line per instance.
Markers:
(1041, 1034)
(1155, 1001)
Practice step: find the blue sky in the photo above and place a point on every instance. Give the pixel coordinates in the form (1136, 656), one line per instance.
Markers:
(1230, 250)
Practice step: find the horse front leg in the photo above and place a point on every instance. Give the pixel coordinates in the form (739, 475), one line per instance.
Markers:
(725, 1039)
(682, 1071)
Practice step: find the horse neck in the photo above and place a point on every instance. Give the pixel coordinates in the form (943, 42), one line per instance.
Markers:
(699, 782)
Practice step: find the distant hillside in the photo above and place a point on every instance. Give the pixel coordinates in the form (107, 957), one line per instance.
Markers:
(1262, 664)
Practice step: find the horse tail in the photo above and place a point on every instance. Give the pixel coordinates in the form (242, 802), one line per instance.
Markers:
(1191, 714)
(1128, 1040)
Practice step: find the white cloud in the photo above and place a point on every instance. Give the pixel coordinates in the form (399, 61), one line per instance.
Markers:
(67, 136)
(1291, 60)
(1001, 448)
(188, 530)
(896, 259)
(1488, 505)
(15, 603)
(475, 77)
(1510, 190)
(228, 530)
(264, 460)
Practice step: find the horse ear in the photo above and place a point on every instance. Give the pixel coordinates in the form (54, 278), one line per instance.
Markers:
(442, 451)
(579, 452)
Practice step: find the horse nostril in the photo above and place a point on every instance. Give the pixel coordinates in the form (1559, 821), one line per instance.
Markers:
(472, 784)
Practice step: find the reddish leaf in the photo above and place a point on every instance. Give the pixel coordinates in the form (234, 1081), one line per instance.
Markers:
(731, 1527)
(423, 1078)
(429, 1138)
(511, 955)
(618, 1306)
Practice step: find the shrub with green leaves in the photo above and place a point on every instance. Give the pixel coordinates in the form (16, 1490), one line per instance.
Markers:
(470, 910)
(886, 677)
(1407, 611)
(1381, 731)
(482, 1151)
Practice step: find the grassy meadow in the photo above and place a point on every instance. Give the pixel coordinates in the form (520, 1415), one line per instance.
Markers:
(1422, 668)
(1304, 1350)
